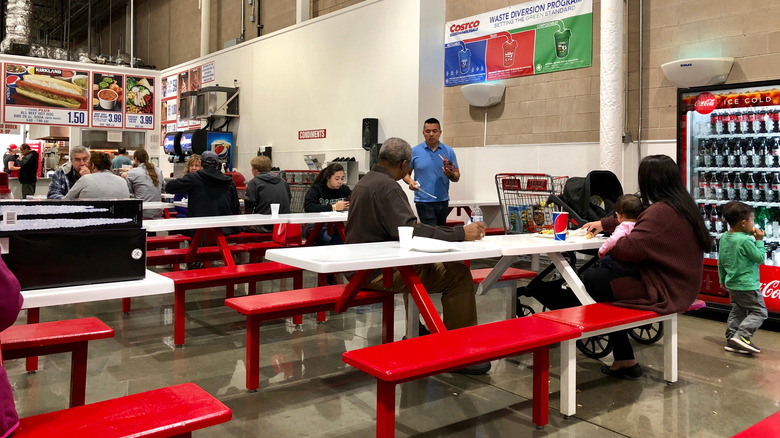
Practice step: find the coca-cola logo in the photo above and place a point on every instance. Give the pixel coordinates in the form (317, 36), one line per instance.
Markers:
(464, 26)
(771, 289)
(705, 103)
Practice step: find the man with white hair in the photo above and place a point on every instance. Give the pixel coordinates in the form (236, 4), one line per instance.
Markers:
(378, 206)
(66, 176)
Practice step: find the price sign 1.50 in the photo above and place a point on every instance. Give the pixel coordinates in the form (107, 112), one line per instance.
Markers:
(76, 118)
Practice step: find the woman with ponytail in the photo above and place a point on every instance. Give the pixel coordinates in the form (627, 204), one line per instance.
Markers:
(146, 182)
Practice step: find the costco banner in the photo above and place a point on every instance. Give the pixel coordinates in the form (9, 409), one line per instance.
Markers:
(536, 37)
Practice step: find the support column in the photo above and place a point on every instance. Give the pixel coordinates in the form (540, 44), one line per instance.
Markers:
(611, 87)
(205, 26)
(302, 11)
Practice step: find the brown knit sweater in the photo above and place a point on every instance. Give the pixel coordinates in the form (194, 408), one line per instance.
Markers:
(669, 257)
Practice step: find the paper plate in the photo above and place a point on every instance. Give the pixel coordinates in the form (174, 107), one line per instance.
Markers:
(424, 244)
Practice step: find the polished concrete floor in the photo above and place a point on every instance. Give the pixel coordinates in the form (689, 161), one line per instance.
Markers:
(306, 390)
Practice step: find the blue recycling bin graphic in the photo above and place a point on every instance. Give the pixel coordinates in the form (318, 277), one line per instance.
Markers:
(464, 63)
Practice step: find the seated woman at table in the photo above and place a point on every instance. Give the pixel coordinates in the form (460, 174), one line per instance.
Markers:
(10, 304)
(264, 189)
(667, 243)
(146, 182)
(193, 164)
(101, 183)
(328, 193)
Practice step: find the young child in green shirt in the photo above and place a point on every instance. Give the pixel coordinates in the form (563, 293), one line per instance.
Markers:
(738, 261)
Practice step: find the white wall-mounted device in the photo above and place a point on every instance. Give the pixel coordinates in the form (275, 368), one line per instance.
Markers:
(697, 72)
(483, 94)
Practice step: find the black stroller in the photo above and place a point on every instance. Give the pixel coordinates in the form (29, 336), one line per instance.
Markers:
(585, 199)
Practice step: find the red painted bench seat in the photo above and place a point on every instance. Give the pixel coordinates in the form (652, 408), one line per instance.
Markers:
(32, 340)
(227, 276)
(511, 274)
(599, 319)
(249, 237)
(258, 308)
(425, 356)
(165, 242)
(173, 411)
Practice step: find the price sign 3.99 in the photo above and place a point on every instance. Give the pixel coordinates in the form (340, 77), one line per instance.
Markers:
(107, 97)
(139, 103)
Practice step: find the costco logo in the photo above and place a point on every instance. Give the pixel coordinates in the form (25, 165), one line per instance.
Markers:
(464, 27)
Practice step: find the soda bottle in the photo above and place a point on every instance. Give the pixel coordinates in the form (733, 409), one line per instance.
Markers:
(739, 188)
(763, 118)
(716, 190)
(753, 190)
(750, 118)
(705, 216)
(728, 187)
(720, 153)
(766, 187)
(758, 151)
(776, 185)
(733, 153)
(717, 224)
(740, 123)
(725, 123)
(704, 185)
(773, 123)
(476, 214)
(714, 126)
(705, 146)
(746, 152)
(769, 157)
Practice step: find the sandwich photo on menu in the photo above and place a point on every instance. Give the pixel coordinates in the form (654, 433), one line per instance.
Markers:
(50, 91)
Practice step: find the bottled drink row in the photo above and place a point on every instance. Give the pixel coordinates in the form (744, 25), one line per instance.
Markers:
(743, 121)
(738, 186)
(739, 152)
(768, 219)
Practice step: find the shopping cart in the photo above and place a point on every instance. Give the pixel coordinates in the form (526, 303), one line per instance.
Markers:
(523, 199)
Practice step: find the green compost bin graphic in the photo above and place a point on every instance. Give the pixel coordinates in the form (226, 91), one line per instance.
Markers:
(564, 44)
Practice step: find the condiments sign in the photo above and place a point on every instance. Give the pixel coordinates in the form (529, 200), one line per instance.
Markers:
(536, 37)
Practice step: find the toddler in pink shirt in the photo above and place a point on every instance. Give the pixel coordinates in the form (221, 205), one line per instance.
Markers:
(627, 208)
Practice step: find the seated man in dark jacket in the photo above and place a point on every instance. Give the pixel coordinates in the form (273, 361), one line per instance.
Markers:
(263, 190)
(378, 206)
(211, 192)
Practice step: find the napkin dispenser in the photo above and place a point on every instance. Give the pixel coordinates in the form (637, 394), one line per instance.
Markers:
(66, 243)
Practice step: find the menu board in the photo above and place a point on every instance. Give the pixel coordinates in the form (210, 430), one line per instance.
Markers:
(45, 95)
(107, 98)
(208, 72)
(139, 102)
(169, 87)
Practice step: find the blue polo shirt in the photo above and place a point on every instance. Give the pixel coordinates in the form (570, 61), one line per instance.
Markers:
(427, 165)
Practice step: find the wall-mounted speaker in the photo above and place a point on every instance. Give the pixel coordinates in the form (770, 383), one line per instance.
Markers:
(370, 130)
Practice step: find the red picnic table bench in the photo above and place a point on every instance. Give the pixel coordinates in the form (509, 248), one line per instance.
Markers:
(175, 411)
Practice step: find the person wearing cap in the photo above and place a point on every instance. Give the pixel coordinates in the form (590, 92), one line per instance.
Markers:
(121, 159)
(10, 155)
(66, 176)
(210, 192)
(28, 169)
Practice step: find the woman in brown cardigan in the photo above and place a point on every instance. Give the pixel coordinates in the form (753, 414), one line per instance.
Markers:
(667, 244)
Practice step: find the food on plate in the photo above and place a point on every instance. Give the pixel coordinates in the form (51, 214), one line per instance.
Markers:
(589, 235)
(139, 96)
(50, 91)
(11, 68)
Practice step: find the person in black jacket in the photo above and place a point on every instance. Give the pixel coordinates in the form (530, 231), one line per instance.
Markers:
(28, 169)
(328, 193)
(211, 193)
(263, 190)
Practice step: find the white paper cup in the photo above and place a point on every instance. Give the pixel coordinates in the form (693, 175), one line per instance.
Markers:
(274, 210)
(405, 237)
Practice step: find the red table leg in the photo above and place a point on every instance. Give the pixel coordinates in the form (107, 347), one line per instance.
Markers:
(421, 298)
(385, 409)
(125, 305)
(78, 374)
(541, 390)
(311, 240)
(178, 317)
(354, 286)
(33, 317)
(194, 245)
(224, 249)
(252, 353)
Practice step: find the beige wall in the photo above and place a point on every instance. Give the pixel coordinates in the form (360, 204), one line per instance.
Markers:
(560, 107)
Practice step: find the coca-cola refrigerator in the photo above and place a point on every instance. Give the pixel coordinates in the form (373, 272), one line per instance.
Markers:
(728, 148)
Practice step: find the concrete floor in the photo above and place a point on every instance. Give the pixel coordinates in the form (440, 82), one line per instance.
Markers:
(307, 391)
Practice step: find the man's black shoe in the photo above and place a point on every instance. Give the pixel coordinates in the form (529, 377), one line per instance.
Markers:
(475, 370)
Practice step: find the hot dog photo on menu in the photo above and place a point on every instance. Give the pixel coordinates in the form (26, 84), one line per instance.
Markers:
(46, 87)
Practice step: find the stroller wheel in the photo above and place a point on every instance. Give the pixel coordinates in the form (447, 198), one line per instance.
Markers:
(647, 334)
(595, 347)
(524, 310)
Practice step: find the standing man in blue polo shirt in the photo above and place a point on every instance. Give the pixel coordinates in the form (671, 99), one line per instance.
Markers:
(434, 165)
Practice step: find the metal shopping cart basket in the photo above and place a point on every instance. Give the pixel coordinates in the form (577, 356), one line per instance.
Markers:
(523, 199)
(300, 181)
